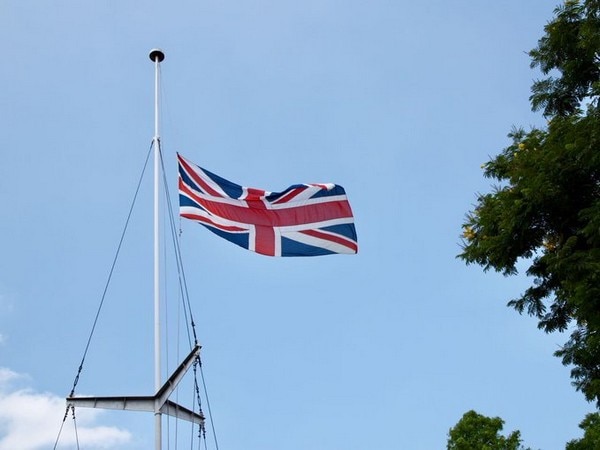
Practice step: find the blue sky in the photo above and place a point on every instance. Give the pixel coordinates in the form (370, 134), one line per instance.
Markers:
(399, 102)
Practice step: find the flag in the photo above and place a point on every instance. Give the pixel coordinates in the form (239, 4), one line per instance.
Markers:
(303, 220)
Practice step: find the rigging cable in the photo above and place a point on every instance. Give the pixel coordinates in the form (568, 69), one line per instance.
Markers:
(75, 425)
(212, 423)
(184, 296)
(180, 272)
(186, 299)
(110, 273)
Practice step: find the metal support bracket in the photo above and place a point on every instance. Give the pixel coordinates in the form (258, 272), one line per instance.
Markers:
(158, 403)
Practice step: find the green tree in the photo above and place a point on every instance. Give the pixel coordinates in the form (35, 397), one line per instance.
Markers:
(545, 206)
(476, 432)
(591, 436)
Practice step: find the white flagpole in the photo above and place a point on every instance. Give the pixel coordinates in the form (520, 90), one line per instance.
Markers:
(156, 56)
(158, 403)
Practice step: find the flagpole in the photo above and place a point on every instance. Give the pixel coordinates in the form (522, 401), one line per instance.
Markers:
(156, 56)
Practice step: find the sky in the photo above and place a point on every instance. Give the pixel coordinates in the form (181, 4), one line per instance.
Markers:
(399, 102)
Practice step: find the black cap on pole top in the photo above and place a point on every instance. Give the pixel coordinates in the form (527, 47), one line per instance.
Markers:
(156, 54)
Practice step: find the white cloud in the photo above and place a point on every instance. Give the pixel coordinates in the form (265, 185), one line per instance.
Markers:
(31, 420)
(7, 376)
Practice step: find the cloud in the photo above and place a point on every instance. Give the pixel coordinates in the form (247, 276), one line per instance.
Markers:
(31, 420)
(6, 376)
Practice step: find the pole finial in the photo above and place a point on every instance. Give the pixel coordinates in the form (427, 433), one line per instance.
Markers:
(156, 54)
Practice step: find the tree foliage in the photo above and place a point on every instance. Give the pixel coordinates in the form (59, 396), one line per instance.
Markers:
(476, 432)
(545, 206)
(569, 47)
(591, 437)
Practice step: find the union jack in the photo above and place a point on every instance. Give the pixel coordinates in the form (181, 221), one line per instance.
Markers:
(303, 220)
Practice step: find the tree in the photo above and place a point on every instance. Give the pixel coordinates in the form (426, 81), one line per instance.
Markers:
(476, 432)
(591, 436)
(545, 206)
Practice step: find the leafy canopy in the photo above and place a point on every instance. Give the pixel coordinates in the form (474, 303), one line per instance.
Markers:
(591, 437)
(545, 206)
(476, 432)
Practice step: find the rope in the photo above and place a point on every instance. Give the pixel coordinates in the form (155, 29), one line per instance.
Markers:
(62, 424)
(212, 423)
(75, 425)
(180, 272)
(200, 426)
(112, 268)
(188, 307)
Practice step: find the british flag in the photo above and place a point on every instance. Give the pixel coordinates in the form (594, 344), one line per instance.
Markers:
(303, 220)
